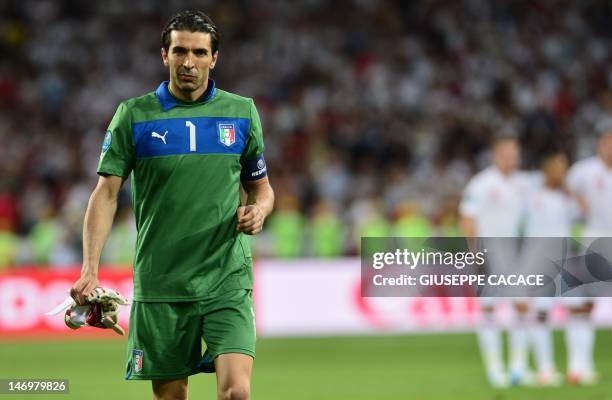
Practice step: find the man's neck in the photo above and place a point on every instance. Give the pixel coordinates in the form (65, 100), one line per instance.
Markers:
(187, 96)
(552, 185)
(504, 173)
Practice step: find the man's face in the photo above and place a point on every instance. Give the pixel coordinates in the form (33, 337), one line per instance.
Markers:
(189, 59)
(555, 170)
(506, 156)
(604, 149)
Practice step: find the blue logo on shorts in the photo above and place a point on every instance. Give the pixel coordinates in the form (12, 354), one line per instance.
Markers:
(108, 138)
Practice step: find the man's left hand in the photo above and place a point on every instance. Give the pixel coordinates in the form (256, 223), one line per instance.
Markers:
(250, 219)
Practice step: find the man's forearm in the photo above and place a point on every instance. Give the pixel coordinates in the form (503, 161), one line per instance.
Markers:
(263, 197)
(468, 227)
(96, 228)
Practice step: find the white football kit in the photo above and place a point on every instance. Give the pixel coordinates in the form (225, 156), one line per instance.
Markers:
(549, 214)
(592, 179)
(495, 202)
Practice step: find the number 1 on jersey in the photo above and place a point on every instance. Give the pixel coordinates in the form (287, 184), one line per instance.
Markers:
(192, 135)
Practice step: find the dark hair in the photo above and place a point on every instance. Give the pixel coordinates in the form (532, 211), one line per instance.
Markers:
(503, 138)
(551, 153)
(192, 21)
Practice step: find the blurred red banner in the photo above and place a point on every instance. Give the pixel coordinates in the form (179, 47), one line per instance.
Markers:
(26, 294)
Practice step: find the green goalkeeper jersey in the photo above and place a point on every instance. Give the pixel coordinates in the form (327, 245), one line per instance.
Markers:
(187, 160)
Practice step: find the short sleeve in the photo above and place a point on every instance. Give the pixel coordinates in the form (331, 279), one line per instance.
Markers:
(255, 143)
(574, 178)
(574, 211)
(118, 155)
(531, 183)
(471, 201)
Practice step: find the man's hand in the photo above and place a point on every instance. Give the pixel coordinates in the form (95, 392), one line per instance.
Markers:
(100, 310)
(84, 287)
(250, 219)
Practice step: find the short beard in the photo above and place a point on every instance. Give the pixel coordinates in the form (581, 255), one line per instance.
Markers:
(190, 88)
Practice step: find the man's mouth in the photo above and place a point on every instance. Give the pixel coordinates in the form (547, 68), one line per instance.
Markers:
(188, 77)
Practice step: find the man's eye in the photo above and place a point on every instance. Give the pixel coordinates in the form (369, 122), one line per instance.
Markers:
(200, 53)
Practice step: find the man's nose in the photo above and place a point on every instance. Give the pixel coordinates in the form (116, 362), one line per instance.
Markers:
(188, 61)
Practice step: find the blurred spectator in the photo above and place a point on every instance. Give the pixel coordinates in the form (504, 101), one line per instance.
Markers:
(328, 233)
(287, 228)
(121, 244)
(9, 243)
(383, 98)
(368, 221)
(9, 217)
(410, 222)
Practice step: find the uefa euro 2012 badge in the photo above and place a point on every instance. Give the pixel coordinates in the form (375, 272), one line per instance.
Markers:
(108, 138)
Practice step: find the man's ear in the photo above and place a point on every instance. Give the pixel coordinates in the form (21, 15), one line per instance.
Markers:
(214, 59)
(164, 56)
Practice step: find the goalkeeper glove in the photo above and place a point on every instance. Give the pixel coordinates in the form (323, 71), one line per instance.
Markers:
(100, 310)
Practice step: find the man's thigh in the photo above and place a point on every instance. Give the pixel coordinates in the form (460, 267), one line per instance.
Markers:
(228, 327)
(164, 341)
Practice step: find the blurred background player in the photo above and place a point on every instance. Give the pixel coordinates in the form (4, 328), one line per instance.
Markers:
(491, 208)
(591, 181)
(549, 213)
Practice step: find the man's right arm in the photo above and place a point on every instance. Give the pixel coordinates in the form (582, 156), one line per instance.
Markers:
(575, 186)
(468, 226)
(468, 209)
(96, 228)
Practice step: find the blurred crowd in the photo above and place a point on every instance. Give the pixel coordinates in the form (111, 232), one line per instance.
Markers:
(375, 113)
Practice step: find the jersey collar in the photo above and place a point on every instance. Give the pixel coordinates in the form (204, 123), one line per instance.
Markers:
(498, 172)
(168, 101)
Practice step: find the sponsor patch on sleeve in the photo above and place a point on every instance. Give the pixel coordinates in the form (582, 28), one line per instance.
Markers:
(254, 169)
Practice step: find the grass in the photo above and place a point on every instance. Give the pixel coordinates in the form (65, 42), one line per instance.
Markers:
(424, 367)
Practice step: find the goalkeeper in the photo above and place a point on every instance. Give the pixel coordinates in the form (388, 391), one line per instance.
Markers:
(188, 147)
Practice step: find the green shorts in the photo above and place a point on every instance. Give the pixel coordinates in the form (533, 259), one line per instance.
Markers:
(165, 339)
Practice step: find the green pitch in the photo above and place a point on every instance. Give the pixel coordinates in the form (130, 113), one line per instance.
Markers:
(424, 367)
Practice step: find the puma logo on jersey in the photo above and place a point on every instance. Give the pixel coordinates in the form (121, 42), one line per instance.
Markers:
(157, 135)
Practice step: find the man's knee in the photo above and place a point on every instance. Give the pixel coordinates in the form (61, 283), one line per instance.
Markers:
(235, 392)
(233, 376)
